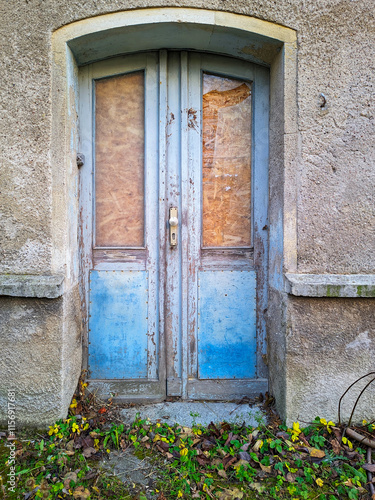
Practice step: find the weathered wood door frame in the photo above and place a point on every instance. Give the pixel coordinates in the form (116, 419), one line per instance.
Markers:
(190, 175)
(136, 260)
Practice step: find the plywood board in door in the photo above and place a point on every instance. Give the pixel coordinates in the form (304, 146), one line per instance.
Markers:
(119, 161)
(226, 162)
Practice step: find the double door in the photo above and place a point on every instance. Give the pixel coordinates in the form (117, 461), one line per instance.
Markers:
(173, 197)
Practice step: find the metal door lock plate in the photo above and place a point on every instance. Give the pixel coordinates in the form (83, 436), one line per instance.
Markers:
(173, 225)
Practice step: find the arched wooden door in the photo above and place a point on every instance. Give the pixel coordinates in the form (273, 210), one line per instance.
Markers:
(174, 194)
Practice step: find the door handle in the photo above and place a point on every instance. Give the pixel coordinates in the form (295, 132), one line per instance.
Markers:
(173, 224)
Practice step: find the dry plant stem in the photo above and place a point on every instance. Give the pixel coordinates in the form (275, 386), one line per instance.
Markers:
(369, 474)
(359, 397)
(350, 386)
(358, 437)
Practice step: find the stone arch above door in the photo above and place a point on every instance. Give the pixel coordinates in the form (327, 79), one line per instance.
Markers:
(224, 33)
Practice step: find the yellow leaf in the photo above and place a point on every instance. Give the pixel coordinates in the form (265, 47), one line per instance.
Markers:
(314, 452)
(184, 452)
(258, 445)
(319, 482)
(296, 428)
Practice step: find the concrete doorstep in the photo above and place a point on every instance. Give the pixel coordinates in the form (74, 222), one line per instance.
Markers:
(188, 413)
(140, 471)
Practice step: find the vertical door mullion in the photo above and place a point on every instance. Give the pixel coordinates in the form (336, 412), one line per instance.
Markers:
(173, 254)
(194, 220)
(260, 160)
(185, 215)
(162, 148)
(86, 200)
(151, 212)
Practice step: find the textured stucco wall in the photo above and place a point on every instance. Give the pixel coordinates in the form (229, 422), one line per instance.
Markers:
(31, 336)
(330, 343)
(334, 169)
(335, 56)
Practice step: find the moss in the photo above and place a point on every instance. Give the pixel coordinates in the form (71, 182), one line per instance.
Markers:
(333, 290)
(365, 291)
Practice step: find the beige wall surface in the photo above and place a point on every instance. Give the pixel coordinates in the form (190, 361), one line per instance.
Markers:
(334, 188)
(336, 175)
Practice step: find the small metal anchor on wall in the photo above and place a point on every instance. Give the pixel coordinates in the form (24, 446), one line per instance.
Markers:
(80, 160)
(323, 101)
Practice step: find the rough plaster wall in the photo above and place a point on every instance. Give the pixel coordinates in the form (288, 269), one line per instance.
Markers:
(25, 199)
(276, 348)
(330, 343)
(337, 176)
(335, 54)
(336, 181)
(31, 359)
(71, 349)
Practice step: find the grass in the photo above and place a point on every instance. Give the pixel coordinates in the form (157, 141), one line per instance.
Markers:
(225, 461)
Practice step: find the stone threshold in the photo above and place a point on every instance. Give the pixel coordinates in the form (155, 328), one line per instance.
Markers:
(330, 285)
(27, 285)
(189, 413)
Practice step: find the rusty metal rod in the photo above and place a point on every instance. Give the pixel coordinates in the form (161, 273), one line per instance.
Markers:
(369, 474)
(362, 439)
(350, 386)
(357, 400)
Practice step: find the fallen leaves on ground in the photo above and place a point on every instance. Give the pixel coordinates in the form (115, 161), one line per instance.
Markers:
(221, 461)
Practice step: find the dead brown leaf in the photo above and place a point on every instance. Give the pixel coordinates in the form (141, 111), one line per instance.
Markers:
(337, 433)
(81, 493)
(229, 462)
(70, 445)
(240, 462)
(88, 452)
(222, 473)
(266, 468)
(257, 487)
(244, 456)
(230, 494)
(290, 477)
(207, 445)
(91, 475)
(203, 460)
(336, 447)
(70, 476)
(369, 467)
(230, 435)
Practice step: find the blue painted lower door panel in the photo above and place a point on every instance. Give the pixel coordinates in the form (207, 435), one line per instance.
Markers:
(118, 324)
(226, 324)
